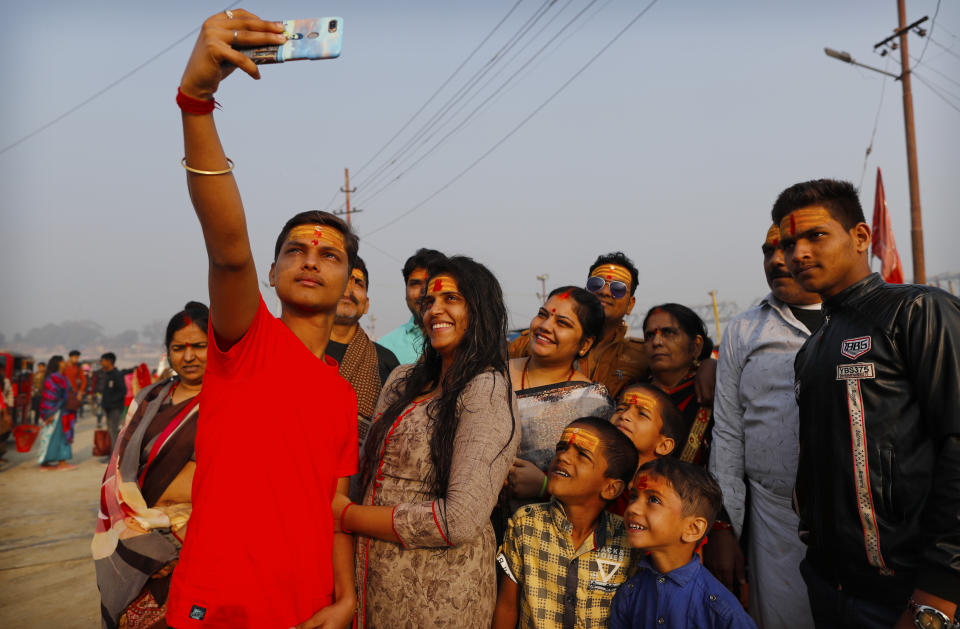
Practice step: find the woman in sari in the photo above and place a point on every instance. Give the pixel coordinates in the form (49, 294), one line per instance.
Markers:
(676, 341)
(551, 391)
(434, 462)
(145, 497)
(56, 436)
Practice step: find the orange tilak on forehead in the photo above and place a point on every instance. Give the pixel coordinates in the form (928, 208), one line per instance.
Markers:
(650, 481)
(356, 274)
(640, 399)
(583, 438)
(418, 274)
(773, 236)
(442, 284)
(611, 272)
(800, 221)
(317, 235)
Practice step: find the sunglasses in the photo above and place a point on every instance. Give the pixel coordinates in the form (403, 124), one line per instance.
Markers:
(618, 289)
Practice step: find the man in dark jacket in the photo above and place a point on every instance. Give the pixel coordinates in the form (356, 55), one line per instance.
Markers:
(114, 391)
(878, 480)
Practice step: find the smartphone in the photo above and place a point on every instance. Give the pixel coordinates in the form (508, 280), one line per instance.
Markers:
(313, 38)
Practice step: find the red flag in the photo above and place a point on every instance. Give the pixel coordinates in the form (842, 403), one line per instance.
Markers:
(884, 246)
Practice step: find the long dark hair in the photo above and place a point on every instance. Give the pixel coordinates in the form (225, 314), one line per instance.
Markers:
(689, 321)
(483, 348)
(53, 365)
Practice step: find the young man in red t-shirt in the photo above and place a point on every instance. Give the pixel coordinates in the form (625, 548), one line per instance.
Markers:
(261, 549)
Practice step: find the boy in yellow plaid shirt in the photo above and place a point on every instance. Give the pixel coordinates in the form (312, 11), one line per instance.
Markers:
(562, 561)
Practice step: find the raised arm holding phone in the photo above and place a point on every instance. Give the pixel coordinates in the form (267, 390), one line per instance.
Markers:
(262, 551)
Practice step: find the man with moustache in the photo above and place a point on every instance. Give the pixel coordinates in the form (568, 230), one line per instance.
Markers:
(878, 476)
(755, 438)
(364, 364)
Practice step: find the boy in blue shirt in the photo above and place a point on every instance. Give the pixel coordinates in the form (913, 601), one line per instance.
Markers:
(672, 504)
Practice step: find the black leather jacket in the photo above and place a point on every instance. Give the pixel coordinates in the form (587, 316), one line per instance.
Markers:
(878, 480)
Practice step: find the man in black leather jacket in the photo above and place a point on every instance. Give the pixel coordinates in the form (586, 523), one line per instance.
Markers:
(878, 385)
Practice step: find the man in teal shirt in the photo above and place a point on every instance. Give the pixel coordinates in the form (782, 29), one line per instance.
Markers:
(406, 341)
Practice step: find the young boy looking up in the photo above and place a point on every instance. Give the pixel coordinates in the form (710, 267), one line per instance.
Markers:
(562, 561)
(261, 549)
(650, 419)
(672, 506)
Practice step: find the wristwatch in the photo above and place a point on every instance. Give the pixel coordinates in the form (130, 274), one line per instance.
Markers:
(926, 617)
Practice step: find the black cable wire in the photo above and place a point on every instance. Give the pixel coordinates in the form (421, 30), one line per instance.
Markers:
(104, 90)
(523, 122)
(427, 127)
(937, 92)
(442, 85)
(929, 33)
(876, 122)
(945, 49)
(472, 114)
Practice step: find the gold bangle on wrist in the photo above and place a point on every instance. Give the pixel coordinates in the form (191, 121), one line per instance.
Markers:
(195, 171)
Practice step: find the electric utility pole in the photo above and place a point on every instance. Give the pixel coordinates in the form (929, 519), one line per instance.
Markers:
(346, 189)
(543, 287)
(902, 32)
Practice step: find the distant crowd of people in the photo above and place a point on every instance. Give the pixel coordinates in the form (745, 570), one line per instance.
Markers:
(809, 475)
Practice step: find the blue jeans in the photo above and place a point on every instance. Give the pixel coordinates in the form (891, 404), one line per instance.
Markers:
(835, 609)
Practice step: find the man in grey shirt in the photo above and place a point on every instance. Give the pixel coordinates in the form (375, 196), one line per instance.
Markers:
(755, 439)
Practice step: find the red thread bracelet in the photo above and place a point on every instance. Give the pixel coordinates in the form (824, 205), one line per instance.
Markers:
(343, 514)
(196, 106)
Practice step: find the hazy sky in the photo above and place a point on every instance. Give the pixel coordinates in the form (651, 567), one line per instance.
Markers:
(672, 146)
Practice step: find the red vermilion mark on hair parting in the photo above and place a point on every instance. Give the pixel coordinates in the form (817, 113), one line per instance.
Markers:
(564, 295)
(186, 320)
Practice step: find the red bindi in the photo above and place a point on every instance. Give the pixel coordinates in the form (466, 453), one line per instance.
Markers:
(775, 242)
(317, 235)
(641, 482)
(437, 285)
(554, 310)
(793, 225)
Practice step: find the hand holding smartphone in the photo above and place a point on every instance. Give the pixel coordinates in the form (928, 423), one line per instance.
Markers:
(312, 38)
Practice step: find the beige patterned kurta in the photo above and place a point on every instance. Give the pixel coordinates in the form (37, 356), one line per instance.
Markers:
(443, 574)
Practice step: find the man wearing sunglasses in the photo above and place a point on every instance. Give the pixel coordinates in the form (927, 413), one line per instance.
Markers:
(617, 359)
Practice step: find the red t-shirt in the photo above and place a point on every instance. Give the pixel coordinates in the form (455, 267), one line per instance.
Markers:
(277, 429)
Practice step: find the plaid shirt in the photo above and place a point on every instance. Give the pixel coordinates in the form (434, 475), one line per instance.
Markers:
(563, 586)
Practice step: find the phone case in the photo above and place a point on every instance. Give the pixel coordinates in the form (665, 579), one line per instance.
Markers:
(314, 38)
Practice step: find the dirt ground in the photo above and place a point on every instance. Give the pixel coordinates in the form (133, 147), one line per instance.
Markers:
(47, 520)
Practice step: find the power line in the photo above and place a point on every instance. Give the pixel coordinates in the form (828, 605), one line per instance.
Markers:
(939, 87)
(442, 85)
(945, 49)
(929, 32)
(876, 122)
(935, 91)
(104, 90)
(421, 135)
(509, 134)
(476, 110)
